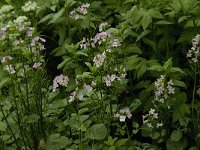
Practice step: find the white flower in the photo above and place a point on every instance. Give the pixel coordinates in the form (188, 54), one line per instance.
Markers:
(108, 79)
(6, 9)
(29, 6)
(194, 52)
(29, 32)
(82, 10)
(159, 125)
(116, 43)
(6, 59)
(122, 118)
(87, 88)
(99, 59)
(60, 80)
(123, 113)
(10, 69)
(100, 38)
(37, 65)
(103, 26)
(80, 96)
(72, 96)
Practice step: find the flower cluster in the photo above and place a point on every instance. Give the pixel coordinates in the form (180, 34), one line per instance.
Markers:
(75, 95)
(162, 91)
(29, 32)
(6, 59)
(6, 11)
(115, 43)
(103, 26)
(150, 119)
(4, 32)
(37, 65)
(99, 59)
(100, 38)
(60, 80)
(194, 52)
(21, 23)
(10, 69)
(36, 44)
(82, 10)
(85, 43)
(108, 79)
(123, 114)
(29, 6)
(121, 74)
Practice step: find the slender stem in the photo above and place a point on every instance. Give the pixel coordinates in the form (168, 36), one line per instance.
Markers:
(4, 116)
(17, 112)
(193, 96)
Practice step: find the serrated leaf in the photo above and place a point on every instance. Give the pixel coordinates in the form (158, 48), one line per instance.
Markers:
(179, 83)
(46, 18)
(168, 64)
(63, 63)
(156, 68)
(135, 104)
(57, 15)
(146, 20)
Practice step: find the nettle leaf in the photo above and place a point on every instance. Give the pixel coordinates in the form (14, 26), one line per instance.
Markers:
(156, 68)
(57, 15)
(141, 69)
(168, 64)
(146, 20)
(131, 62)
(64, 62)
(176, 135)
(179, 83)
(4, 81)
(48, 17)
(97, 132)
(135, 104)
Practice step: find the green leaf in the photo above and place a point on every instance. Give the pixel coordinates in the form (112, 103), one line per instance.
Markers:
(120, 142)
(135, 104)
(176, 135)
(3, 126)
(4, 81)
(46, 18)
(146, 20)
(179, 83)
(168, 64)
(57, 15)
(163, 22)
(131, 62)
(64, 62)
(156, 68)
(97, 132)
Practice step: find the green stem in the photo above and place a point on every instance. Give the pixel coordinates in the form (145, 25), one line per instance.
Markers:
(4, 116)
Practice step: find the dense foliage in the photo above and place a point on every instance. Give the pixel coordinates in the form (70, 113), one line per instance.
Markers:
(109, 74)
